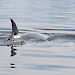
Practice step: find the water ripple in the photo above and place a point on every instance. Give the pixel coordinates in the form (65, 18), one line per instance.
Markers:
(48, 67)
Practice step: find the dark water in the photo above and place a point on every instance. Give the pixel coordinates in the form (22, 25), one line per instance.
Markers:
(54, 18)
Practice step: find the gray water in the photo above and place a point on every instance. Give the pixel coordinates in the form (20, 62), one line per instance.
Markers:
(54, 57)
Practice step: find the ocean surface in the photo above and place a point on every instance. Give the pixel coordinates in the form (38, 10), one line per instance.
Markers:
(52, 18)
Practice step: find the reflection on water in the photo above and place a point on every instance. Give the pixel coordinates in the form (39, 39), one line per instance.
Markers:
(12, 65)
(13, 51)
(40, 66)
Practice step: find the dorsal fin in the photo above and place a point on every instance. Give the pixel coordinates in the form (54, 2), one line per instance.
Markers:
(14, 28)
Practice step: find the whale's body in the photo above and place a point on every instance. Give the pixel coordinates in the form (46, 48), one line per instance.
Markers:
(26, 37)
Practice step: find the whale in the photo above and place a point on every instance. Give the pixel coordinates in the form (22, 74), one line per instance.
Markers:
(15, 34)
(15, 38)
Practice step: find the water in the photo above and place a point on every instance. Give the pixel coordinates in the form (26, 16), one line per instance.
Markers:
(48, 17)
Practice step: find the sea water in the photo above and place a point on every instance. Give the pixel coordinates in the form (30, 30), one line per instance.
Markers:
(53, 18)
